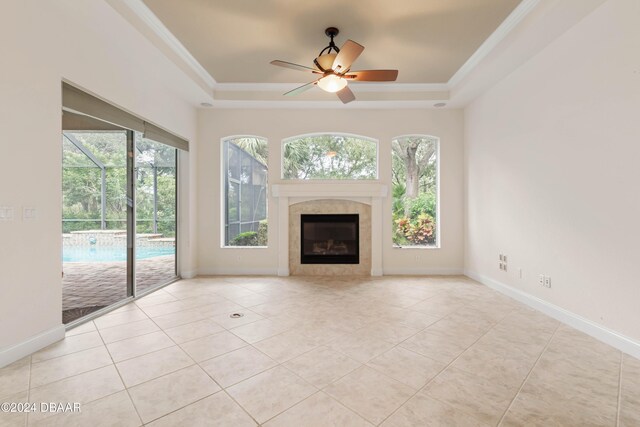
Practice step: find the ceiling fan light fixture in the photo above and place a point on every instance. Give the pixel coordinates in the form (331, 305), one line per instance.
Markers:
(332, 83)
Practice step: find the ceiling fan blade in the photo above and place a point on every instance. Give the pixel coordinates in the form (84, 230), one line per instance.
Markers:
(373, 75)
(293, 66)
(349, 52)
(302, 88)
(345, 95)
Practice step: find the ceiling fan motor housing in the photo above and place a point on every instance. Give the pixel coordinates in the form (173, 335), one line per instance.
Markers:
(325, 58)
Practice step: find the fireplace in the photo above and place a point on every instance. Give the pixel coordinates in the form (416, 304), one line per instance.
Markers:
(329, 239)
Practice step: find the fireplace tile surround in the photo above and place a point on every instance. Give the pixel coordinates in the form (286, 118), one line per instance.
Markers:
(364, 199)
(296, 268)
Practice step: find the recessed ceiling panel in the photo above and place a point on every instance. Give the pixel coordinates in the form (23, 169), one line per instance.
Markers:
(427, 40)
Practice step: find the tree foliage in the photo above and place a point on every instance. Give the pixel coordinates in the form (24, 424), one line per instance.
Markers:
(330, 157)
(82, 182)
(257, 147)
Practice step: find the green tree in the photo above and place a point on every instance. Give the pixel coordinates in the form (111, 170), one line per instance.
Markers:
(257, 147)
(416, 152)
(330, 157)
(81, 182)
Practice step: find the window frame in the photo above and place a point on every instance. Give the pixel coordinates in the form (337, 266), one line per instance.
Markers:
(324, 180)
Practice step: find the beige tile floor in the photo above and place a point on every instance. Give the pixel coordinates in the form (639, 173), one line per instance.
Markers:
(392, 351)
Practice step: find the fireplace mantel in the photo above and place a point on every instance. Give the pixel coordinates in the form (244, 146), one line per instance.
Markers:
(370, 193)
(332, 190)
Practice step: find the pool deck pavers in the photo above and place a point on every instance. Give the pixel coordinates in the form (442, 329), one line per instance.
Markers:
(90, 284)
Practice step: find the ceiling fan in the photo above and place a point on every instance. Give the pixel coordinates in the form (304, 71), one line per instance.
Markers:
(333, 64)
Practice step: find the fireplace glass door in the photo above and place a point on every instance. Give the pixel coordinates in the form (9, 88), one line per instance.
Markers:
(329, 239)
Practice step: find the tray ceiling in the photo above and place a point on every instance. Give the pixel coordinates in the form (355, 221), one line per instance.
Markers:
(427, 40)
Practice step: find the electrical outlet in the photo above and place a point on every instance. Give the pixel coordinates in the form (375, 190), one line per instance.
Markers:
(541, 280)
(500, 265)
(29, 213)
(547, 281)
(504, 267)
(501, 257)
(504, 258)
(6, 213)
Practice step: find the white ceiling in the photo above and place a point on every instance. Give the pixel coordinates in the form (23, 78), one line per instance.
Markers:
(426, 40)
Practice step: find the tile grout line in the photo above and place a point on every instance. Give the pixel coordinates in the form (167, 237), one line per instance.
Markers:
(222, 389)
(163, 330)
(26, 419)
(444, 369)
(452, 362)
(135, 408)
(67, 354)
(281, 365)
(528, 375)
(619, 405)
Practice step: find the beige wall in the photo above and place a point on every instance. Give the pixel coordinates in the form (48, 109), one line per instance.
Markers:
(383, 125)
(89, 44)
(552, 178)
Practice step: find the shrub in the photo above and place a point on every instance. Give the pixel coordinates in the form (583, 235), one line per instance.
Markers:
(262, 233)
(425, 203)
(252, 238)
(248, 238)
(419, 231)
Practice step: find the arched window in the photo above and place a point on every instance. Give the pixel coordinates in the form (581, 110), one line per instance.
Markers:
(245, 190)
(415, 191)
(329, 156)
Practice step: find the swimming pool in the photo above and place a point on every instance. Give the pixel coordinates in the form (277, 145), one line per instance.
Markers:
(110, 253)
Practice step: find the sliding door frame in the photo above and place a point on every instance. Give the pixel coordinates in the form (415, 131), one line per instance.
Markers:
(131, 214)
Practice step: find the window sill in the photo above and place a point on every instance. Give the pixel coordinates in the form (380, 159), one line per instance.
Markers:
(244, 247)
(416, 247)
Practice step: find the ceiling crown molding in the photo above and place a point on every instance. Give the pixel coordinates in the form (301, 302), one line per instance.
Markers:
(153, 22)
(357, 87)
(510, 22)
(316, 105)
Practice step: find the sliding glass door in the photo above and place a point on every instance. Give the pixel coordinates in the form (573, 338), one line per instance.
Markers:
(156, 205)
(94, 221)
(119, 227)
(109, 178)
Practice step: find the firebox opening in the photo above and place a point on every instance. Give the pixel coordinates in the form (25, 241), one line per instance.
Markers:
(329, 239)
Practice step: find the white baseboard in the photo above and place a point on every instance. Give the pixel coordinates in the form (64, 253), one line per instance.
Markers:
(31, 345)
(189, 274)
(243, 271)
(589, 327)
(423, 271)
(283, 272)
(238, 271)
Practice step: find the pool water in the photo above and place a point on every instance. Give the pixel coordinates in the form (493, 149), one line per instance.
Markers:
(110, 253)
